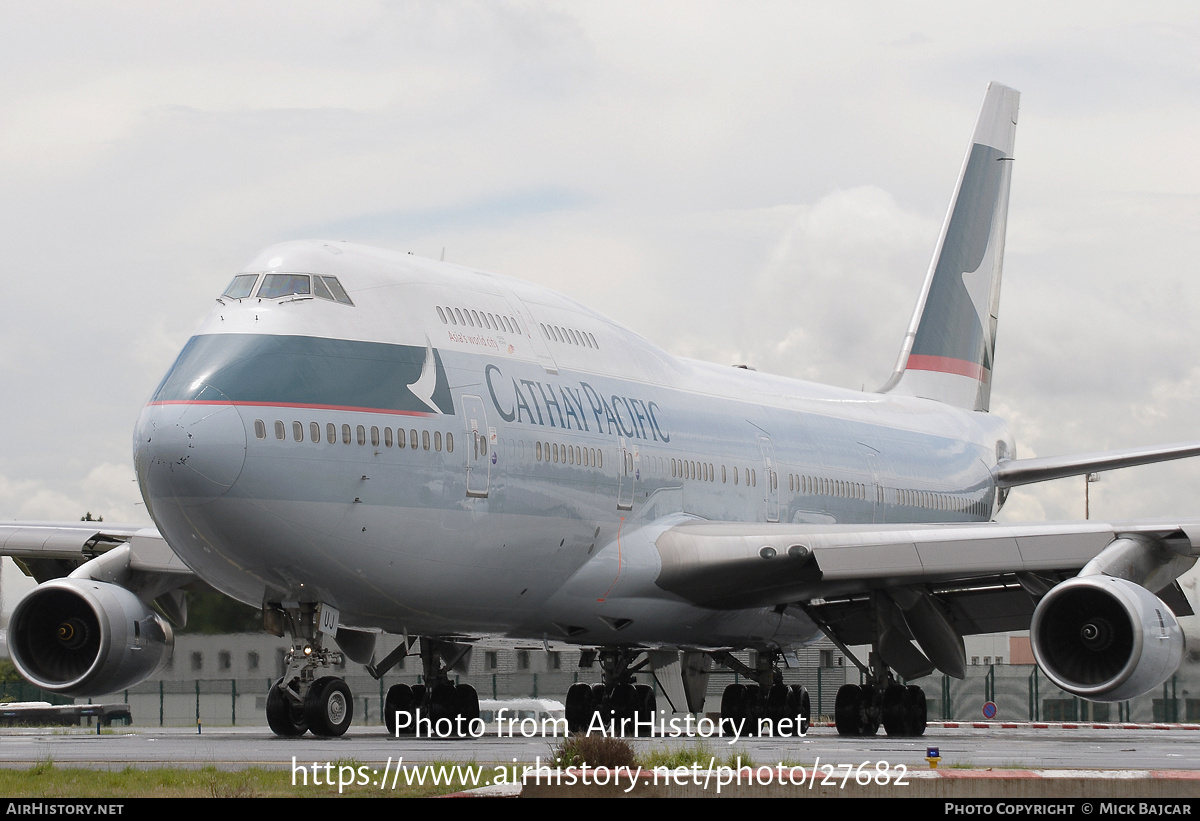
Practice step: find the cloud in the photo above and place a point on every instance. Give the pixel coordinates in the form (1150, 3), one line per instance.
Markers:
(758, 184)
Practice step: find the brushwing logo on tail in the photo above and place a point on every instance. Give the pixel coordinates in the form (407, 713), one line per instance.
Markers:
(949, 347)
(951, 337)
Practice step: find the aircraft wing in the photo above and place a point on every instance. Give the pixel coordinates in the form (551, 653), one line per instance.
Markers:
(1013, 472)
(88, 627)
(1085, 590)
(135, 557)
(732, 565)
(49, 550)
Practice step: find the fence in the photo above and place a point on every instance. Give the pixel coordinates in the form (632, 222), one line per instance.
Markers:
(1019, 693)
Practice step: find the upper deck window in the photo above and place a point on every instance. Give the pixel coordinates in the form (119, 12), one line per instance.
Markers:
(241, 286)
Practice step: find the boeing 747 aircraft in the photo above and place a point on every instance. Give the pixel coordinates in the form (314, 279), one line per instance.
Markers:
(363, 442)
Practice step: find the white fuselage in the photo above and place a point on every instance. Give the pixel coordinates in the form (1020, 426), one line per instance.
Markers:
(458, 453)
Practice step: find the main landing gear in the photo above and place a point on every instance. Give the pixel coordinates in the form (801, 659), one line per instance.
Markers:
(438, 708)
(765, 706)
(860, 708)
(619, 706)
(302, 700)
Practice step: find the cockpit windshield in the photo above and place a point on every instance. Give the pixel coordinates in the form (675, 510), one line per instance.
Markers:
(336, 292)
(241, 286)
(277, 285)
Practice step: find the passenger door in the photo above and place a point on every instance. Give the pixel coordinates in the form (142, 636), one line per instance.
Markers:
(479, 455)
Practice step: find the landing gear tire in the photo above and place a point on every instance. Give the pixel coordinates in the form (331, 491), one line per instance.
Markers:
(919, 710)
(897, 707)
(644, 713)
(328, 707)
(441, 702)
(849, 712)
(285, 716)
(580, 707)
(752, 709)
(731, 709)
(400, 701)
(799, 709)
(776, 710)
(466, 703)
(623, 704)
(904, 710)
(870, 707)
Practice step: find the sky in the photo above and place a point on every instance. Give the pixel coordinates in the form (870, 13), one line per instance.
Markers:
(750, 182)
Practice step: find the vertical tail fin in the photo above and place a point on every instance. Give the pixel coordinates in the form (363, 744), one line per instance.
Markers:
(947, 351)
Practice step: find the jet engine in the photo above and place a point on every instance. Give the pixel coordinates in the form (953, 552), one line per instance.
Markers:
(1104, 638)
(86, 638)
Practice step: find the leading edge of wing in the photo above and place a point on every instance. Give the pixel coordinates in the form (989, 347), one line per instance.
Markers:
(82, 541)
(1013, 472)
(733, 565)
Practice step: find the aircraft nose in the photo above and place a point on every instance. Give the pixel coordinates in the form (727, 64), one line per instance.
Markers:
(190, 452)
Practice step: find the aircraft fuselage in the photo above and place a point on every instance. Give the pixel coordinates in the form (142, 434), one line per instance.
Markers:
(457, 453)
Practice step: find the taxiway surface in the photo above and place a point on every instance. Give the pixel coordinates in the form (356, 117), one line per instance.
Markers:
(1084, 747)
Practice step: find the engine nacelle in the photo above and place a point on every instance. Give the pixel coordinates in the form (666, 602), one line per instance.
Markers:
(86, 638)
(1104, 638)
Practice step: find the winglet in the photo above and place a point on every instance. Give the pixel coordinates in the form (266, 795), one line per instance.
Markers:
(948, 349)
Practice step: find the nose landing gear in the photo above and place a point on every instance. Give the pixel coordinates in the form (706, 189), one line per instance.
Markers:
(300, 701)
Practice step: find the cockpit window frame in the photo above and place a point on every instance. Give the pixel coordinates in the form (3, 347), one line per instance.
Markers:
(248, 281)
(335, 287)
(279, 285)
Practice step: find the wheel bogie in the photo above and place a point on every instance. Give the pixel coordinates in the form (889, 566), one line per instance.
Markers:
(859, 710)
(779, 710)
(441, 709)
